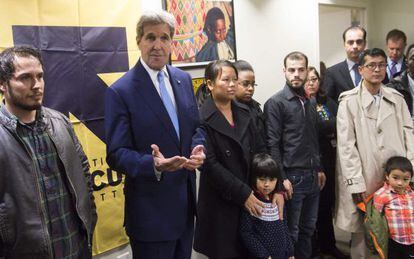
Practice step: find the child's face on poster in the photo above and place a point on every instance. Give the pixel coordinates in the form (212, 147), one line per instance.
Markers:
(220, 31)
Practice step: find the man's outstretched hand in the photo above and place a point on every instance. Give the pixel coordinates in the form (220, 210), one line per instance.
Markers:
(163, 164)
(196, 158)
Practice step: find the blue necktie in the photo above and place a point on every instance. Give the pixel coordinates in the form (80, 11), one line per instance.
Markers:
(357, 74)
(166, 99)
(393, 69)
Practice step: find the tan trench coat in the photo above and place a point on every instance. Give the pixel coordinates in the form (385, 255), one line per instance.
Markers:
(367, 136)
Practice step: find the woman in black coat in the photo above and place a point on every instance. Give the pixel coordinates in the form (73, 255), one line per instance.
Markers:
(326, 108)
(224, 189)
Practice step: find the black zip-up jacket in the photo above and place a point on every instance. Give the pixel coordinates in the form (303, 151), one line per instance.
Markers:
(23, 231)
(292, 133)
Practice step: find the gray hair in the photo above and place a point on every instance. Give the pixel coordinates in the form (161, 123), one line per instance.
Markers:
(155, 17)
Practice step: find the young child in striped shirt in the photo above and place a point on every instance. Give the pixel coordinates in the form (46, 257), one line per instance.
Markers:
(266, 236)
(396, 200)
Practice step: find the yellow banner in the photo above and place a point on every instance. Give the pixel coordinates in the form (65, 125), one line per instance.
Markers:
(109, 198)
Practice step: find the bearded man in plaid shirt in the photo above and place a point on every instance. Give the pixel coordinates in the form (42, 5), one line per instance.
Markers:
(46, 204)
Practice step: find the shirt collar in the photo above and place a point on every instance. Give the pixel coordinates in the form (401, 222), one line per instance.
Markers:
(153, 73)
(350, 64)
(13, 121)
(389, 61)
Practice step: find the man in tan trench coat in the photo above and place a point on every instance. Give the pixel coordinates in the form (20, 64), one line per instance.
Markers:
(373, 124)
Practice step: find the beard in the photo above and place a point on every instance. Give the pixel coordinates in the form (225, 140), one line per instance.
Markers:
(301, 85)
(19, 101)
(298, 89)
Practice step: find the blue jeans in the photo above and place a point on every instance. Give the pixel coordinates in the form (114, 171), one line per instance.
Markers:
(302, 210)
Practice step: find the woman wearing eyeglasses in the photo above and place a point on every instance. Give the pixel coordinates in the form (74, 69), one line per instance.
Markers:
(246, 85)
(224, 189)
(326, 109)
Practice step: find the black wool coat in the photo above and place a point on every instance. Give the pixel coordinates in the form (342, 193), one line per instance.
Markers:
(224, 180)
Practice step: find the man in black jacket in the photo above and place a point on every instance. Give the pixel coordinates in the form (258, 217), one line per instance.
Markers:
(46, 204)
(404, 83)
(292, 138)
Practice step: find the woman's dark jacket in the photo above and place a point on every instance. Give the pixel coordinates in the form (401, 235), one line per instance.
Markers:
(326, 111)
(224, 180)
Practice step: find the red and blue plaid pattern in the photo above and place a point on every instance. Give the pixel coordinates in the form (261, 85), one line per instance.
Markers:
(399, 211)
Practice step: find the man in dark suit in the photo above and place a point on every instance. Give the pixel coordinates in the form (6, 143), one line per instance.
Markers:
(404, 81)
(396, 42)
(152, 136)
(345, 75)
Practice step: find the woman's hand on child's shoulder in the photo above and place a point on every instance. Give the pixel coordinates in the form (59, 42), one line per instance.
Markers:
(279, 200)
(253, 205)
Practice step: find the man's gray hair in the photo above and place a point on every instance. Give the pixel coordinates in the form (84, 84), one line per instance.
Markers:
(155, 17)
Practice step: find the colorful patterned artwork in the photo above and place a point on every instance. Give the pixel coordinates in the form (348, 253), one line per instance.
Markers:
(191, 35)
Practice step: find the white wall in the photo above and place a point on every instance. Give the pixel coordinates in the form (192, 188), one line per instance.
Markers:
(334, 18)
(268, 30)
(332, 22)
(388, 15)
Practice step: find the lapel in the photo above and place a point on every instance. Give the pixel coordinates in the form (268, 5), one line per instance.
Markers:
(371, 110)
(368, 104)
(344, 72)
(146, 89)
(387, 105)
(216, 120)
(403, 66)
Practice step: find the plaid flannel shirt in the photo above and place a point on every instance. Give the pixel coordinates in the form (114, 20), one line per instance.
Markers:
(399, 212)
(64, 225)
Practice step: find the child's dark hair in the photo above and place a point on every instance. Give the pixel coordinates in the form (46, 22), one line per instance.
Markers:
(400, 163)
(263, 165)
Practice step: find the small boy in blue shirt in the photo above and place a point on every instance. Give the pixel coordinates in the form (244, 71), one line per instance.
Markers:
(266, 236)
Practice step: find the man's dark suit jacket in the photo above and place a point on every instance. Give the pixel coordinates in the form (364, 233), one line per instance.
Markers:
(403, 68)
(135, 118)
(337, 80)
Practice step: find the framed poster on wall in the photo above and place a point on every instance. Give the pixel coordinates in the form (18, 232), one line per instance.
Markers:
(204, 31)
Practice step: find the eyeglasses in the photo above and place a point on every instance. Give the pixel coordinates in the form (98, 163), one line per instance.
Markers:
(246, 84)
(373, 66)
(313, 80)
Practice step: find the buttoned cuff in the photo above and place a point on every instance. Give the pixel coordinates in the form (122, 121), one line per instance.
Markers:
(355, 185)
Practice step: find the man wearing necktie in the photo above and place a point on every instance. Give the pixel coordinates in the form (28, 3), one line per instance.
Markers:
(396, 42)
(153, 137)
(404, 81)
(345, 75)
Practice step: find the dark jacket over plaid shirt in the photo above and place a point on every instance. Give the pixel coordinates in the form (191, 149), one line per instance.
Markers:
(46, 206)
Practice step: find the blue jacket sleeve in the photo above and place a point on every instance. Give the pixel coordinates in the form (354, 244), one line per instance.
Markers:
(121, 155)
